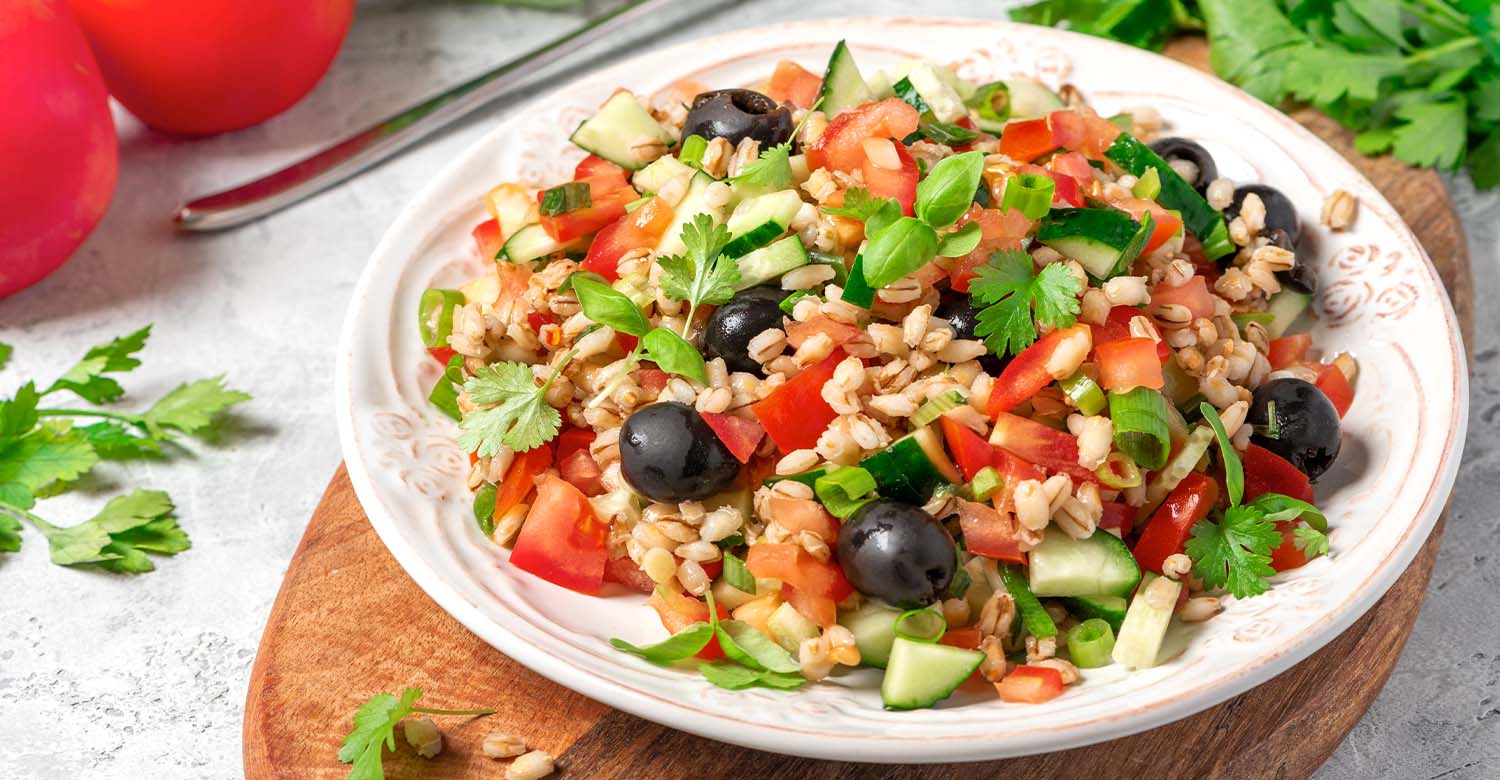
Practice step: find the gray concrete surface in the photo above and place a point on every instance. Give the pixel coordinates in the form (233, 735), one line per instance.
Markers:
(108, 677)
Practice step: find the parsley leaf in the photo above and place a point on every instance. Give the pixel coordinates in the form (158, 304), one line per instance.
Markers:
(375, 730)
(703, 275)
(116, 441)
(1433, 133)
(772, 169)
(87, 377)
(120, 536)
(859, 204)
(192, 406)
(1310, 541)
(1235, 553)
(10, 533)
(517, 415)
(52, 455)
(1009, 290)
(1323, 74)
(5, 350)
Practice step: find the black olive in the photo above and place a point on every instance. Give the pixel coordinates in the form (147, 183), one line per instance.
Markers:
(1301, 277)
(728, 331)
(1170, 149)
(982, 194)
(668, 453)
(958, 309)
(1293, 419)
(1280, 213)
(737, 114)
(897, 553)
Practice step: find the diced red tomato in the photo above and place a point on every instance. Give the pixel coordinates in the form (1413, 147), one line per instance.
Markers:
(1194, 295)
(795, 414)
(989, 532)
(537, 319)
(899, 183)
(1125, 364)
(1288, 350)
(562, 541)
(798, 332)
(739, 434)
(819, 609)
(967, 638)
(1166, 223)
(841, 146)
(1067, 128)
(1286, 555)
(1027, 374)
(997, 230)
(640, 228)
(593, 165)
(609, 194)
(575, 463)
(1066, 191)
(441, 354)
(804, 514)
(1013, 471)
(652, 378)
(678, 611)
(797, 567)
(520, 478)
(487, 238)
(1075, 166)
(1267, 472)
(1335, 385)
(1098, 135)
(1168, 530)
(969, 450)
(1117, 326)
(1030, 685)
(1026, 140)
(792, 82)
(1040, 445)
(626, 341)
(623, 571)
(1117, 515)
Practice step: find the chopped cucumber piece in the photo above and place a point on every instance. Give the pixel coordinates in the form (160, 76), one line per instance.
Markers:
(1103, 241)
(770, 262)
(912, 467)
(843, 87)
(656, 175)
(1177, 468)
(1110, 609)
(942, 100)
(1100, 565)
(1029, 98)
(1208, 225)
(691, 205)
(760, 220)
(874, 628)
(921, 674)
(1145, 625)
(618, 125)
(1285, 307)
(934, 407)
(532, 243)
(789, 627)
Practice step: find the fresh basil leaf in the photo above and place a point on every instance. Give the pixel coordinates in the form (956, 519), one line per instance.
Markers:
(683, 644)
(568, 282)
(730, 675)
(897, 250)
(738, 575)
(948, 190)
(1234, 471)
(746, 644)
(607, 306)
(883, 217)
(1277, 507)
(960, 242)
(675, 355)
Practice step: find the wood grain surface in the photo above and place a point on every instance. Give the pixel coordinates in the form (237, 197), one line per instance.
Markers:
(348, 623)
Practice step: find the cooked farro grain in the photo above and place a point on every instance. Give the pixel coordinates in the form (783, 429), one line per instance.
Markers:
(534, 765)
(1176, 566)
(1338, 210)
(509, 524)
(422, 734)
(498, 744)
(1199, 609)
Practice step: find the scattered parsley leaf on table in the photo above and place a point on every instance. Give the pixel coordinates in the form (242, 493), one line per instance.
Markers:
(521, 418)
(120, 536)
(1010, 291)
(1235, 553)
(703, 275)
(375, 730)
(87, 377)
(5, 350)
(193, 406)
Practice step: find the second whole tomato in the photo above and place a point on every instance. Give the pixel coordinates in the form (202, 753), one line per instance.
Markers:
(198, 67)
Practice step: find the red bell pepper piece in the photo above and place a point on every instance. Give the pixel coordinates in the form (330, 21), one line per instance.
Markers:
(1040, 445)
(969, 450)
(793, 83)
(640, 228)
(1335, 385)
(989, 532)
(1125, 364)
(797, 567)
(678, 611)
(740, 435)
(623, 571)
(1286, 555)
(441, 354)
(795, 414)
(1168, 530)
(486, 237)
(1267, 472)
(1030, 685)
(520, 478)
(1026, 140)
(1288, 350)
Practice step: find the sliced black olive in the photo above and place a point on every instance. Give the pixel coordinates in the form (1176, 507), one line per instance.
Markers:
(1301, 277)
(728, 331)
(1293, 419)
(897, 553)
(668, 453)
(958, 309)
(737, 114)
(1280, 213)
(1170, 149)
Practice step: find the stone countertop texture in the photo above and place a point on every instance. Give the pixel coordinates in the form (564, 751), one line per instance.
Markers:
(112, 677)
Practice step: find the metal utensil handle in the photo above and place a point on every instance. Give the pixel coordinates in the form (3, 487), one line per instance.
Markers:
(275, 191)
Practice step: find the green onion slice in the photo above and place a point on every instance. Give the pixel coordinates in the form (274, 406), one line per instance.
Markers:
(1118, 471)
(1031, 193)
(844, 490)
(1085, 393)
(992, 101)
(921, 625)
(985, 483)
(435, 315)
(1148, 186)
(1140, 418)
(692, 149)
(444, 394)
(1090, 644)
(737, 574)
(484, 508)
(790, 302)
(563, 198)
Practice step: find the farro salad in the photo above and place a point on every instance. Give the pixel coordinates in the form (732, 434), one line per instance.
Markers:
(958, 381)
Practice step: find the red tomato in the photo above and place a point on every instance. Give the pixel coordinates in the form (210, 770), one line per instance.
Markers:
(1075, 166)
(537, 319)
(795, 414)
(487, 238)
(640, 228)
(1267, 472)
(989, 532)
(1035, 443)
(1286, 555)
(1098, 135)
(1168, 530)
(997, 230)
(967, 638)
(575, 464)
(652, 379)
(1067, 128)
(562, 541)
(1117, 515)
(1030, 685)
(1027, 374)
(197, 67)
(1125, 364)
(1288, 350)
(622, 570)
(441, 354)
(609, 195)
(740, 435)
(1335, 385)
(899, 183)
(1066, 191)
(58, 154)
(1194, 295)
(1117, 326)
(594, 165)
(798, 332)
(969, 450)
(841, 146)
(1026, 140)
(679, 610)
(1013, 471)
(520, 478)
(797, 567)
(794, 83)
(819, 609)
(804, 514)
(1166, 223)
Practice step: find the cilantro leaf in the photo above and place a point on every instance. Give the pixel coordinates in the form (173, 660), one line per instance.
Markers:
(519, 418)
(192, 406)
(5, 350)
(51, 455)
(10, 533)
(1323, 74)
(703, 275)
(375, 730)
(18, 415)
(121, 535)
(117, 441)
(1433, 133)
(1235, 553)
(1310, 541)
(1484, 161)
(772, 169)
(1009, 290)
(87, 377)
(858, 204)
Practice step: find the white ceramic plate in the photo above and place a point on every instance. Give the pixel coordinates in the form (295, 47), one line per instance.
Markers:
(1380, 299)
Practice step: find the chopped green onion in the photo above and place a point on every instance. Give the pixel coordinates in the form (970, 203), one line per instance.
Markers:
(692, 150)
(1148, 186)
(1243, 319)
(638, 202)
(845, 490)
(444, 394)
(1140, 418)
(1090, 644)
(961, 581)
(921, 625)
(790, 302)
(563, 198)
(435, 315)
(1034, 618)
(1118, 471)
(985, 483)
(1031, 193)
(1085, 393)
(991, 101)
(808, 478)
(934, 408)
(737, 574)
(1124, 121)
(484, 508)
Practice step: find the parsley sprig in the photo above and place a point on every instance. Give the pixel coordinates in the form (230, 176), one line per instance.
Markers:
(703, 275)
(1016, 298)
(375, 730)
(514, 411)
(772, 169)
(44, 451)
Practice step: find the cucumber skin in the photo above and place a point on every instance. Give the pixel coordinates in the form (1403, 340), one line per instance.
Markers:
(1033, 617)
(1096, 228)
(1092, 607)
(904, 649)
(1208, 225)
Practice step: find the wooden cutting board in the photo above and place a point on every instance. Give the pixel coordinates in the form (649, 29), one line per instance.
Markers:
(348, 623)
